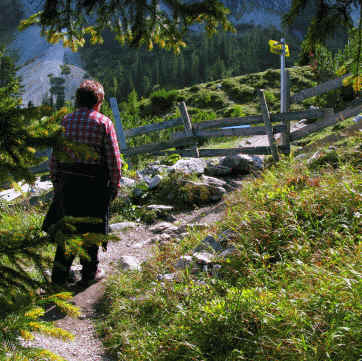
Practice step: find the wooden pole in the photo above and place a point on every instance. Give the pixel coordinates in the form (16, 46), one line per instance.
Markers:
(119, 129)
(268, 127)
(286, 133)
(188, 126)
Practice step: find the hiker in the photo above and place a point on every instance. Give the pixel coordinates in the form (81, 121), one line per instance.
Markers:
(84, 186)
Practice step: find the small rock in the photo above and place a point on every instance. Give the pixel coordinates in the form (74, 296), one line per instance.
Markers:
(213, 181)
(190, 166)
(169, 277)
(357, 118)
(127, 182)
(163, 227)
(228, 252)
(129, 263)
(207, 243)
(122, 226)
(154, 182)
(203, 257)
(183, 262)
(160, 207)
(142, 244)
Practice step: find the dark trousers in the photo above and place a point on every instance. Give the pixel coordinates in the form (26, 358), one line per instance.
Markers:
(63, 262)
(82, 192)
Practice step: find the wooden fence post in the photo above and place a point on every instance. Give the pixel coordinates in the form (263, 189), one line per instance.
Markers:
(268, 126)
(188, 126)
(119, 129)
(285, 137)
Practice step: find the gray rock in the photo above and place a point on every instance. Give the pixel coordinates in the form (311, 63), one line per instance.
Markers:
(160, 207)
(228, 252)
(207, 244)
(122, 226)
(154, 182)
(213, 181)
(203, 193)
(218, 170)
(357, 118)
(203, 257)
(183, 262)
(213, 243)
(170, 277)
(127, 182)
(129, 263)
(239, 163)
(163, 227)
(218, 193)
(190, 166)
(194, 226)
(142, 244)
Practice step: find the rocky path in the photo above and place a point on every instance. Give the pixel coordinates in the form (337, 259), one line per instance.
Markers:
(135, 242)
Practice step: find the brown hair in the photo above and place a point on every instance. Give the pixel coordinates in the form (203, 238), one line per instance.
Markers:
(89, 94)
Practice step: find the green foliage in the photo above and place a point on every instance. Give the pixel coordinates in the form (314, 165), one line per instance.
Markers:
(162, 100)
(136, 23)
(22, 132)
(290, 291)
(24, 320)
(246, 53)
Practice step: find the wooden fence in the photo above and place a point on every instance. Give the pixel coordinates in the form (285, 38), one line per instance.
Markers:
(263, 124)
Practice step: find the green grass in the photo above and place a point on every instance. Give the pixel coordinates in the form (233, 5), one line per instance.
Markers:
(291, 291)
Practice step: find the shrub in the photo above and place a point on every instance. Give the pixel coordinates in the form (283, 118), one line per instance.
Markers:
(162, 100)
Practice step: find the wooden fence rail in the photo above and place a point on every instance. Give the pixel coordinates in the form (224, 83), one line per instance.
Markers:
(258, 125)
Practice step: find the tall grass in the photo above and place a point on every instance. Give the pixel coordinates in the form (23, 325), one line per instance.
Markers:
(290, 291)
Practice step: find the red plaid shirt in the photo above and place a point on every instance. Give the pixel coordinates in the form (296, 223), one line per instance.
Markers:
(87, 126)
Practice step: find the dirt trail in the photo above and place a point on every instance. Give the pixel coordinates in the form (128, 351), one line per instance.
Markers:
(86, 346)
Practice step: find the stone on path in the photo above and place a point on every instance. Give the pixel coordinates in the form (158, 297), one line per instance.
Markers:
(130, 263)
(122, 226)
(163, 227)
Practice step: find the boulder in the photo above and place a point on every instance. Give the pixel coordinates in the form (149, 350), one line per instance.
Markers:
(200, 192)
(189, 166)
(239, 163)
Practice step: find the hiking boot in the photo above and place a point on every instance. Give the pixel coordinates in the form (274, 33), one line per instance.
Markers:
(84, 283)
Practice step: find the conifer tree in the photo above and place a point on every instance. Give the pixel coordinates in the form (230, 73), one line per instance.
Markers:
(330, 16)
(149, 22)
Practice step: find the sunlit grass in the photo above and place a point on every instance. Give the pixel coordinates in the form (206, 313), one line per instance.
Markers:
(291, 291)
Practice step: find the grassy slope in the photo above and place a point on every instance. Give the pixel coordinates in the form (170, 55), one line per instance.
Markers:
(238, 94)
(291, 291)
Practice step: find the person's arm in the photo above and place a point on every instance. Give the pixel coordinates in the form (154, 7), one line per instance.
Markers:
(113, 158)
